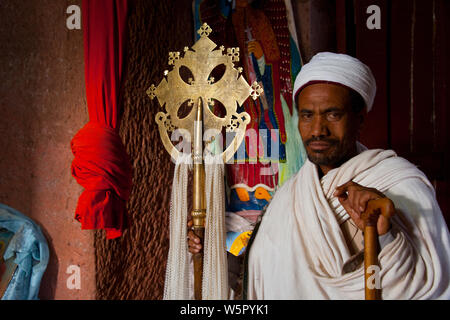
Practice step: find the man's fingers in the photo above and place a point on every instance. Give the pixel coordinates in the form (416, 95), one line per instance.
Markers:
(354, 197)
(346, 204)
(193, 242)
(355, 216)
(343, 188)
(193, 237)
(351, 191)
(194, 246)
(341, 192)
(362, 202)
(193, 250)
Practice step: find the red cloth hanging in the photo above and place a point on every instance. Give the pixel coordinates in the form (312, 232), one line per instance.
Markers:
(101, 164)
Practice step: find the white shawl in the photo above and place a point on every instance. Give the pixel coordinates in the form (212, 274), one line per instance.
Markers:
(299, 249)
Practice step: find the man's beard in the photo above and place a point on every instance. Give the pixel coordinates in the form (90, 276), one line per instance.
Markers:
(338, 152)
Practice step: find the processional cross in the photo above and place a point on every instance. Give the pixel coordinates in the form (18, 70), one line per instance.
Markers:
(200, 91)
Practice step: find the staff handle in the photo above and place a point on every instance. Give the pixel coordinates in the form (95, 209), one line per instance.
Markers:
(198, 205)
(385, 207)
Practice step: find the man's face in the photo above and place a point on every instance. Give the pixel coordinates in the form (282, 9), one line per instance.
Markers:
(328, 126)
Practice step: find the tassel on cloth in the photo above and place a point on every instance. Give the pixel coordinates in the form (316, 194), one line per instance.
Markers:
(178, 285)
(215, 265)
(177, 271)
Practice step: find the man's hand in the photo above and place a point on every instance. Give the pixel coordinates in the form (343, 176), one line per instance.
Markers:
(193, 241)
(354, 197)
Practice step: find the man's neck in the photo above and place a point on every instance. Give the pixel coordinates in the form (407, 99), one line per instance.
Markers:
(323, 170)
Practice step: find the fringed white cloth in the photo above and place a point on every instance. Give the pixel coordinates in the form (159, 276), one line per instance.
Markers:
(299, 251)
(342, 69)
(215, 266)
(176, 286)
(179, 280)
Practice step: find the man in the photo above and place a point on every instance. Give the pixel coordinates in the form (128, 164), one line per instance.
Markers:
(309, 242)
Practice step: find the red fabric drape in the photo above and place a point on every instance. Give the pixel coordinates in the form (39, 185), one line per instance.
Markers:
(101, 164)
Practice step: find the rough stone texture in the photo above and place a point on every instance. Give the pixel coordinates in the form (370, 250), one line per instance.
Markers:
(42, 105)
(133, 266)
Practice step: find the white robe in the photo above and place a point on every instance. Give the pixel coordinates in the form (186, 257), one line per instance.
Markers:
(299, 249)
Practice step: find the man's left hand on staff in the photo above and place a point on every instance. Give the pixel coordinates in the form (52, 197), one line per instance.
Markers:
(354, 198)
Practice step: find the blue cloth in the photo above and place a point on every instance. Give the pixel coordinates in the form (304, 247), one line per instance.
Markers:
(30, 249)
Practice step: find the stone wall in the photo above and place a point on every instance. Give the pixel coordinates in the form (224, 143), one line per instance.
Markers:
(42, 106)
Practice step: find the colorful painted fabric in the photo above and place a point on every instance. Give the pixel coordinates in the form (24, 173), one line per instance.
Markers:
(271, 115)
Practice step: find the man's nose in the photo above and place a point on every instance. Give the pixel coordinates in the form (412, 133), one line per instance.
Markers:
(319, 127)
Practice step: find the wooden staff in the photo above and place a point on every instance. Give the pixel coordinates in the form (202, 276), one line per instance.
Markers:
(385, 207)
(198, 206)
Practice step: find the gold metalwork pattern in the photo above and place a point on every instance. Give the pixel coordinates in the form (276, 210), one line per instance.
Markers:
(230, 90)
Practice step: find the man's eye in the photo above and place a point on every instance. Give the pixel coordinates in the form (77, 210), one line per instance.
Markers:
(306, 116)
(334, 116)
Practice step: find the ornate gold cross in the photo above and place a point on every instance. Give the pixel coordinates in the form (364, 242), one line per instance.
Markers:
(231, 89)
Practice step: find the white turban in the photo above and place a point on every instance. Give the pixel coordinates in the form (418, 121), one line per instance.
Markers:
(338, 68)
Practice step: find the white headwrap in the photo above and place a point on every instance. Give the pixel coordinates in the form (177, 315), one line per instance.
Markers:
(342, 69)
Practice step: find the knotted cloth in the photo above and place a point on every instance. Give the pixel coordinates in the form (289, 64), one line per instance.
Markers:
(101, 166)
